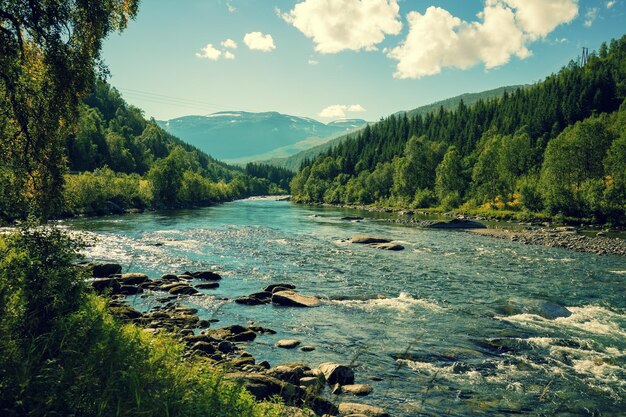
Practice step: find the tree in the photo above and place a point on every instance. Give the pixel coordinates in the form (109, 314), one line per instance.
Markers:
(49, 59)
(449, 182)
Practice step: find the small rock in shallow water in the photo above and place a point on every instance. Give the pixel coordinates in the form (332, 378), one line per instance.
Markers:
(337, 374)
(208, 275)
(346, 409)
(357, 389)
(288, 343)
(208, 286)
(368, 239)
(293, 299)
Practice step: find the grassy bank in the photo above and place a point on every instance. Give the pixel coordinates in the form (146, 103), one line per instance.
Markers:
(62, 353)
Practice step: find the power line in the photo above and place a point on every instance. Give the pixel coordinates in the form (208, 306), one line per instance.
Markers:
(171, 100)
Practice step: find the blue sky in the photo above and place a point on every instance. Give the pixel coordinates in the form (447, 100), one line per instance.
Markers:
(329, 59)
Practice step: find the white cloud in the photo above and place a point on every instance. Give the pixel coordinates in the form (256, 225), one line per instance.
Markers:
(313, 62)
(339, 111)
(259, 41)
(610, 4)
(590, 17)
(230, 7)
(209, 52)
(339, 25)
(537, 18)
(229, 43)
(504, 29)
(229, 55)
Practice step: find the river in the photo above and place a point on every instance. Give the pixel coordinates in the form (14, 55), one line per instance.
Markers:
(439, 339)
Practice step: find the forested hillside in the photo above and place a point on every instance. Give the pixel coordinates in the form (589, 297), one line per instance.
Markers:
(294, 162)
(556, 147)
(119, 160)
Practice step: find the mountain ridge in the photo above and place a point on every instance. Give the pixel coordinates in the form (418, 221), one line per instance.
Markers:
(238, 136)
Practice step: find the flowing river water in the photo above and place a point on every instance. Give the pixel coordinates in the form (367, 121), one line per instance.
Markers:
(441, 339)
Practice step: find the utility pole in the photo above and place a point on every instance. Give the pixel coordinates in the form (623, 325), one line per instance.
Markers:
(585, 57)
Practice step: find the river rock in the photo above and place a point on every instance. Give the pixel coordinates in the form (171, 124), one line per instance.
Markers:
(387, 246)
(293, 299)
(543, 308)
(206, 275)
(169, 277)
(261, 330)
(249, 301)
(234, 333)
(129, 290)
(367, 239)
(357, 389)
(125, 312)
(105, 270)
(226, 347)
(310, 381)
(279, 287)
(288, 343)
(207, 286)
(203, 347)
(263, 387)
(183, 290)
(171, 285)
(307, 348)
(102, 284)
(337, 374)
(457, 224)
(351, 218)
(288, 373)
(346, 409)
(133, 278)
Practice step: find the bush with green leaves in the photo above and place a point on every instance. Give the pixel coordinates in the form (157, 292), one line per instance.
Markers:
(63, 354)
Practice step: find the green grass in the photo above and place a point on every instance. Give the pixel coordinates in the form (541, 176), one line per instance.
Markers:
(63, 354)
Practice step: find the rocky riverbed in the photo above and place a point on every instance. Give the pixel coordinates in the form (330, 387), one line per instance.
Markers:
(546, 234)
(560, 237)
(305, 390)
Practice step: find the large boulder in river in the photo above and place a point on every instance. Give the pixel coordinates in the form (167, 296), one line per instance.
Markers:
(348, 409)
(337, 374)
(368, 239)
(457, 224)
(543, 308)
(105, 270)
(293, 299)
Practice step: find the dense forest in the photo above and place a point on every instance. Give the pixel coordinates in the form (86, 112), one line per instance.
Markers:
(119, 160)
(558, 147)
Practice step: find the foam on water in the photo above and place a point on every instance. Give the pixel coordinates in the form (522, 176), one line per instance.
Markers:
(402, 302)
(588, 319)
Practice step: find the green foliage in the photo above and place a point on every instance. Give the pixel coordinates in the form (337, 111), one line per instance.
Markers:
(63, 354)
(555, 146)
(573, 165)
(449, 182)
(49, 55)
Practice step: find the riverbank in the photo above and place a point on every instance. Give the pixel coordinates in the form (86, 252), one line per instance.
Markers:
(586, 238)
(566, 238)
(307, 389)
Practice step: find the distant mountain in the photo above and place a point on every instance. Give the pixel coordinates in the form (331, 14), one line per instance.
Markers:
(294, 161)
(237, 136)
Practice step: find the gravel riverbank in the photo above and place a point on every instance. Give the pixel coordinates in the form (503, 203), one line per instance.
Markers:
(567, 238)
